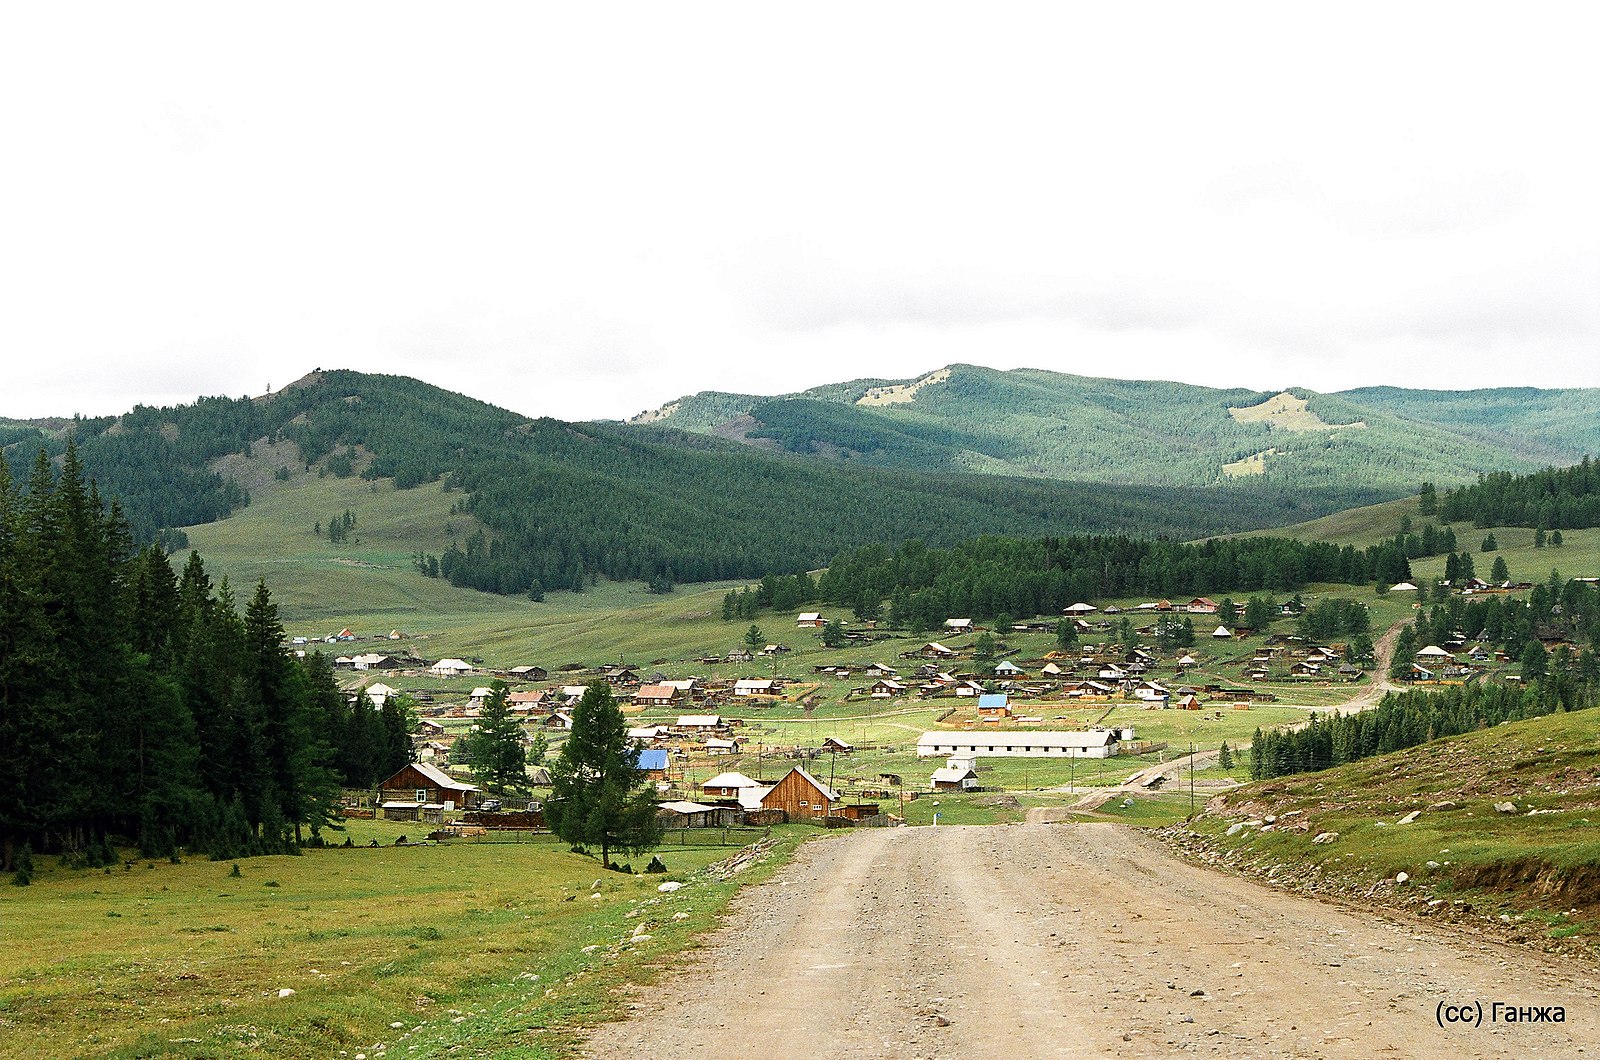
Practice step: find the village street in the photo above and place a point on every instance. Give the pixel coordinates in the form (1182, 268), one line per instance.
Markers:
(1077, 940)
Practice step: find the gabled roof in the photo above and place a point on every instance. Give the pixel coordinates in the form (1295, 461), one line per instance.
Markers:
(823, 789)
(655, 692)
(731, 780)
(992, 700)
(439, 777)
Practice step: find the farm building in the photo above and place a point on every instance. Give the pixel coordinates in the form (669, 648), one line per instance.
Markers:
(697, 815)
(656, 695)
(699, 721)
(885, 688)
(450, 668)
(653, 763)
(994, 705)
(378, 692)
(529, 673)
(957, 774)
(811, 620)
(716, 745)
(1097, 743)
(418, 787)
(958, 625)
(802, 796)
(727, 786)
(754, 687)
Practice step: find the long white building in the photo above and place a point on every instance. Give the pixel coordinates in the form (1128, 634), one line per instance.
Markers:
(1099, 743)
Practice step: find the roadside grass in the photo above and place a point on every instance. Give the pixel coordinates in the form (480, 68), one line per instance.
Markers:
(1542, 860)
(1143, 811)
(475, 950)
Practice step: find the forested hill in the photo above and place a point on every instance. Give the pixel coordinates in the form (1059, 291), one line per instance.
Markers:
(1046, 424)
(563, 503)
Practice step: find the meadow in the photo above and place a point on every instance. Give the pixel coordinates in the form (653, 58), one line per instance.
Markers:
(419, 950)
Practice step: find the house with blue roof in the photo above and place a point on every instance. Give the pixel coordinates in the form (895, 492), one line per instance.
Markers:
(994, 705)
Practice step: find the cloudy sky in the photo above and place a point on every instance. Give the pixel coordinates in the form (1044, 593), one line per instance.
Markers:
(586, 210)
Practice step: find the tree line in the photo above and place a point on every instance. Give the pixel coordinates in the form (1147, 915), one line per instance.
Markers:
(1555, 498)
(989, 576)
(141, 704)
(1402, 720)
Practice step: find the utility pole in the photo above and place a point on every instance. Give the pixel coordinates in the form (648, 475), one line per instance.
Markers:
(1191, 779)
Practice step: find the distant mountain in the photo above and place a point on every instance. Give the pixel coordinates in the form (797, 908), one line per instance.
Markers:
(1049, 425)
(547, 504)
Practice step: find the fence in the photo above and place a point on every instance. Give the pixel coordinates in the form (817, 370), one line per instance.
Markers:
(674, 837)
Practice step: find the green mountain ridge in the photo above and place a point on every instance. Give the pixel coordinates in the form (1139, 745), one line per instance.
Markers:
(545, 504)
(1034, 423)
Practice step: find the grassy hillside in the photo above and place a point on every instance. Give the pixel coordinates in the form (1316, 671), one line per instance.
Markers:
(1046, 424)
(1535, 869)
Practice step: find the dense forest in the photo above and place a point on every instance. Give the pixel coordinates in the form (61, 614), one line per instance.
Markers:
(563, 504)
(996, 575)
(1552, 499)
(1075, 428)
(1407, 719)
(140, 704)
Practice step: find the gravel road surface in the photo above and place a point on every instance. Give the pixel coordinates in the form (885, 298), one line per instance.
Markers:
(1078, 940)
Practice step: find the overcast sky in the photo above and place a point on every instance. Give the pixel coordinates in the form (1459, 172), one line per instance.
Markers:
(586, 210)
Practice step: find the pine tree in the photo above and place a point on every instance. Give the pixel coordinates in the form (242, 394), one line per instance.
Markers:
(600, 797)
(495, 747)
(1225, 756)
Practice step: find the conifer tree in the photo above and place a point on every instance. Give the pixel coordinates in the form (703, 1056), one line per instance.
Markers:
(600, 797)
(495, 747)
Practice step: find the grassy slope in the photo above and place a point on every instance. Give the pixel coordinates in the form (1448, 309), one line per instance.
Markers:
(1541, 870)
(473, 949)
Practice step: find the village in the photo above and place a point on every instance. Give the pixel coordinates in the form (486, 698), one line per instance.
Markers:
(882, 727)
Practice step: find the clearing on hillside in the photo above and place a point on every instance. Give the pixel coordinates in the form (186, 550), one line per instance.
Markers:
(1285, 412)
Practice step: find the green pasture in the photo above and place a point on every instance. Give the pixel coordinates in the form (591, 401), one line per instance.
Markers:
(423, 951)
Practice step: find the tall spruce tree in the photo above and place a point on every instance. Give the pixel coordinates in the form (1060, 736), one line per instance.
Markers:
(600, 797)
(495, 746)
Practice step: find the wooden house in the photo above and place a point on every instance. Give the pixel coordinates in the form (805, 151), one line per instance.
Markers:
(450, 668)
(994, 705)
(811, 620)
(727, 786)
(802, 796)
(656, 695)
(957, 774)
(418, 786)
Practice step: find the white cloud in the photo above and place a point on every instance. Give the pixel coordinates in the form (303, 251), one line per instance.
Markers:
(584, 212)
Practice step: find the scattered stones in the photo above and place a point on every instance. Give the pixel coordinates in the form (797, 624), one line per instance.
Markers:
(1408, 818)
(286, 992)
(1448, 804)
(1325, 837)
(1505, 807)
(669, 887)
(1401, 877)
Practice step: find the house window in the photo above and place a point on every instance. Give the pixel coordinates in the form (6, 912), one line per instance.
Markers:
(422, 794)
(804, 804)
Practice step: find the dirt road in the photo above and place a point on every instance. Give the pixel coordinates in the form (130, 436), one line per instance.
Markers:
(1077, 940)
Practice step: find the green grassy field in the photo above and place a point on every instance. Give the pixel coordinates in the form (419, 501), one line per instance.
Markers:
(425, 951)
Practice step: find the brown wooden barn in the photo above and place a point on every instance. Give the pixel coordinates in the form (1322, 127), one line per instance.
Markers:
(802, 796)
